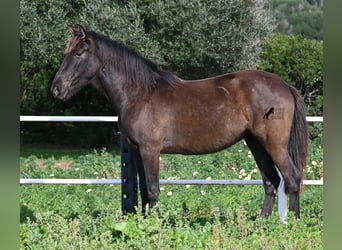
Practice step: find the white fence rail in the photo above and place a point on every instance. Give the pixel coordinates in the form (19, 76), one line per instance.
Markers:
(27, 181)
(162, 181)
(27, 118)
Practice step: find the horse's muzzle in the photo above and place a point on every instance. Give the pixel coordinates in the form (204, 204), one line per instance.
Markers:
(55, 91)
(58, 92)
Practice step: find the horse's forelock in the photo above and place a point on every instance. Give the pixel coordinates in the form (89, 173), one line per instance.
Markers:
(72, 42)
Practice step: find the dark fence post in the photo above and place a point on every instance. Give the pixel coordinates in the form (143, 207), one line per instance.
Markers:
(129, 181)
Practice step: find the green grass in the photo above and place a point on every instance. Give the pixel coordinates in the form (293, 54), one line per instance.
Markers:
(191, 217)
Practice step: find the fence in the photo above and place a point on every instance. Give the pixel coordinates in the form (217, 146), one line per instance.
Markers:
(118, 181)
(129, 188)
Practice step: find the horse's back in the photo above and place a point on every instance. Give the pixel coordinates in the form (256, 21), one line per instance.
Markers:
(245, 83)
(214, 113)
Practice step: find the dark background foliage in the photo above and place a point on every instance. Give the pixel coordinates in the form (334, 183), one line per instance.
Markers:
(194, 39)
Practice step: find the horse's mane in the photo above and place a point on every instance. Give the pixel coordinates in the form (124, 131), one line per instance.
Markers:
(136, 68)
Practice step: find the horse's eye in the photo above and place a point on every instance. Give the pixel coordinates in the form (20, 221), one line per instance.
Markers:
(78, 53)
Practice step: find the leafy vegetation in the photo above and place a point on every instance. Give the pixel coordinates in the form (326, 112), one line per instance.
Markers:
(304, 17)
(191, 217)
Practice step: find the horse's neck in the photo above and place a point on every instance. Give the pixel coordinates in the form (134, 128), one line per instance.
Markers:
(118, 92)
(98, 86)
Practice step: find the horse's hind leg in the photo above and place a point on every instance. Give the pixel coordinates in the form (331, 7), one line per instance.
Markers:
(291, 177)
(277, 150)
(269, 173)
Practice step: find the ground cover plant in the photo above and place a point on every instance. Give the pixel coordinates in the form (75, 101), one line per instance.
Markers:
(191, 217)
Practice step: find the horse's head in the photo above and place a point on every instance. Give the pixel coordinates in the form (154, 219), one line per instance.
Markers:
(79, 67)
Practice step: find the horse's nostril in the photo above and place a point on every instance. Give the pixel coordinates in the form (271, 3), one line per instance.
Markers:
(55, 91)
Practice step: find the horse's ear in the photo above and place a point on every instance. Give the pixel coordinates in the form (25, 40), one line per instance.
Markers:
(77, 30)
(83, 31)
(72, 29)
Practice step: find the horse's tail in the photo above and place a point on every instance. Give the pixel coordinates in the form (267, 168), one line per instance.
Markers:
(299, 137)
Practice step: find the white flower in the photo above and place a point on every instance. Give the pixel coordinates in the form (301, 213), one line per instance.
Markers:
(88, 190)
(52, 175)
(240, 150)
(208, 178)
(314, 163)
(96, 173)
(76, 169)
(172, 178)
(194, 173)
(169, 193)
(202, 192)
(248, 177)
(187, 186)
(162, 189)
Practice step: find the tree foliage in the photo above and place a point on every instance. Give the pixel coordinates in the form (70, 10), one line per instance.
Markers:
(205, 38)
(194, 38)
(299, 17)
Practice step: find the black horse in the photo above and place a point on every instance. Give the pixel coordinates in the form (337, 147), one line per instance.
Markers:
(161, 113)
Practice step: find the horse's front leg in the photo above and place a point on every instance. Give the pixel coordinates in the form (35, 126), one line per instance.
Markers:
(150, 162)
(142, 181)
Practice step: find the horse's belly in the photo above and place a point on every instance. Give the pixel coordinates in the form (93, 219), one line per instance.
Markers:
(202, 143)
